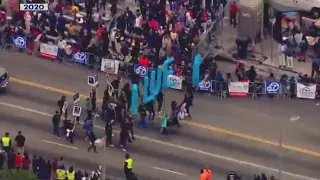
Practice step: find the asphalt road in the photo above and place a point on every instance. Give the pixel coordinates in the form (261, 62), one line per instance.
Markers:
(228, 134)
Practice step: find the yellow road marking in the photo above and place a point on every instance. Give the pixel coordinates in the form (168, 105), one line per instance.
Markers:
(191, 123)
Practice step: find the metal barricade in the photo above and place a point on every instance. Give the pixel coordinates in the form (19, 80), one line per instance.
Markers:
(257, 89)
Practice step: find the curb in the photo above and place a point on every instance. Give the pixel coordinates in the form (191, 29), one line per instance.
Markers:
(226, 58)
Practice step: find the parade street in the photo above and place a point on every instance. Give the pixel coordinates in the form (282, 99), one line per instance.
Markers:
(225, 134)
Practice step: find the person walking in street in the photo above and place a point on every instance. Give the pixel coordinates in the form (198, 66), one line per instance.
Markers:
(128, 166)
(233, 10)
(63, 109)
(89, 109)
(92, 138)
(20, 140)
(6, 142)
(160, 98)
(108, 132)
(129, 120)
(143, 114)
(56, 123)
(124, 135)
(164, 125)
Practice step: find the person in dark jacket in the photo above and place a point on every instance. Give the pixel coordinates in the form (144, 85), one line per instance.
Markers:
(160, 101)
(61, 25)
(56, 123)
(143, 113)
(2, 159)
(10, 162)
(20, 140)
(60, 105)
(43, 169)
(92, 138)
(35, 164)
(78, 175)
(252, 74)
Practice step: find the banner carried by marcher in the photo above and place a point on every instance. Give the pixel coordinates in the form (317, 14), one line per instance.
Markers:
(110, 66)
(204, 86)
(80, 57)
(19, 42)
(240, 89)
(49, 51)
(306, 91)
(178, 81)
(272, 87)
(140, 70)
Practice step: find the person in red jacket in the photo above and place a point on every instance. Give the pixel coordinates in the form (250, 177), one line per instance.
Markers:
(233, 10)
(18, 160)
(144, 61)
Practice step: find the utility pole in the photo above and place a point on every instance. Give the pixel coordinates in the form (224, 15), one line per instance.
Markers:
(262, 29)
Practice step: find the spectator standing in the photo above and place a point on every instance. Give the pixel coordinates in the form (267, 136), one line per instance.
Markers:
(18, 160)
(233, 10)
(6, 142)
(20, 140)
(25, 162)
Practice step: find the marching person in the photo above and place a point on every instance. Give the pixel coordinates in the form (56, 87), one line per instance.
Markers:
(56, 123)
(150, 109)
(70, 132)
(128, 166)
(92, 138)
(61, 103)
(20, 140)
(160, 98)
(143, 113)
(89, 109)
(108, 132)
(164, 125)
(93, 96)
(124, 135)
(129, 120)
(6, 142)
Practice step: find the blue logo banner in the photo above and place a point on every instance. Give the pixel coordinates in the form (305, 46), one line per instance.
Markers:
(80, 57)
(20, 42)
(140, 70)
(272, 87)
(204, 86)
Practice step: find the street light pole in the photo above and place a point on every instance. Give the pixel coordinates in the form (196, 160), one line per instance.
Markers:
(282, 133)
(273, 21)
(261, 33)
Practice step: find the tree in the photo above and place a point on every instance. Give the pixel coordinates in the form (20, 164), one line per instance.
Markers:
(15, 174)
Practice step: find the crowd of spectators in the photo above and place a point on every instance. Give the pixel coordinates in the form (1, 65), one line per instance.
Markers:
(148, 34)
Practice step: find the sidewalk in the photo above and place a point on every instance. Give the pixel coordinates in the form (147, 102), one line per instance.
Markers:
(269, 64)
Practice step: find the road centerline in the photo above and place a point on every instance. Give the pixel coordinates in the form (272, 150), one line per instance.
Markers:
(190, 123)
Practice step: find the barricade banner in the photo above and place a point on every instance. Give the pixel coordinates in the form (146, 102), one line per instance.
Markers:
(204, 86)
(272, 87)
(140, 70)
(19, 42)
(80, 57)
(306, 92)
(110, 66)
(239, 89)
(178, 81)
(49, 51)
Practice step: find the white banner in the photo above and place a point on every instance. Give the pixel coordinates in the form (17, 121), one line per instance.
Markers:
(49, 50)
(306, 92)
(177, 79)
(110, 66)
(238, 88)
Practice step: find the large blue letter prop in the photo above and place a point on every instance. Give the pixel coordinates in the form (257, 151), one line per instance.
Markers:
(134, 99)
(152, 87)
(196, 70)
